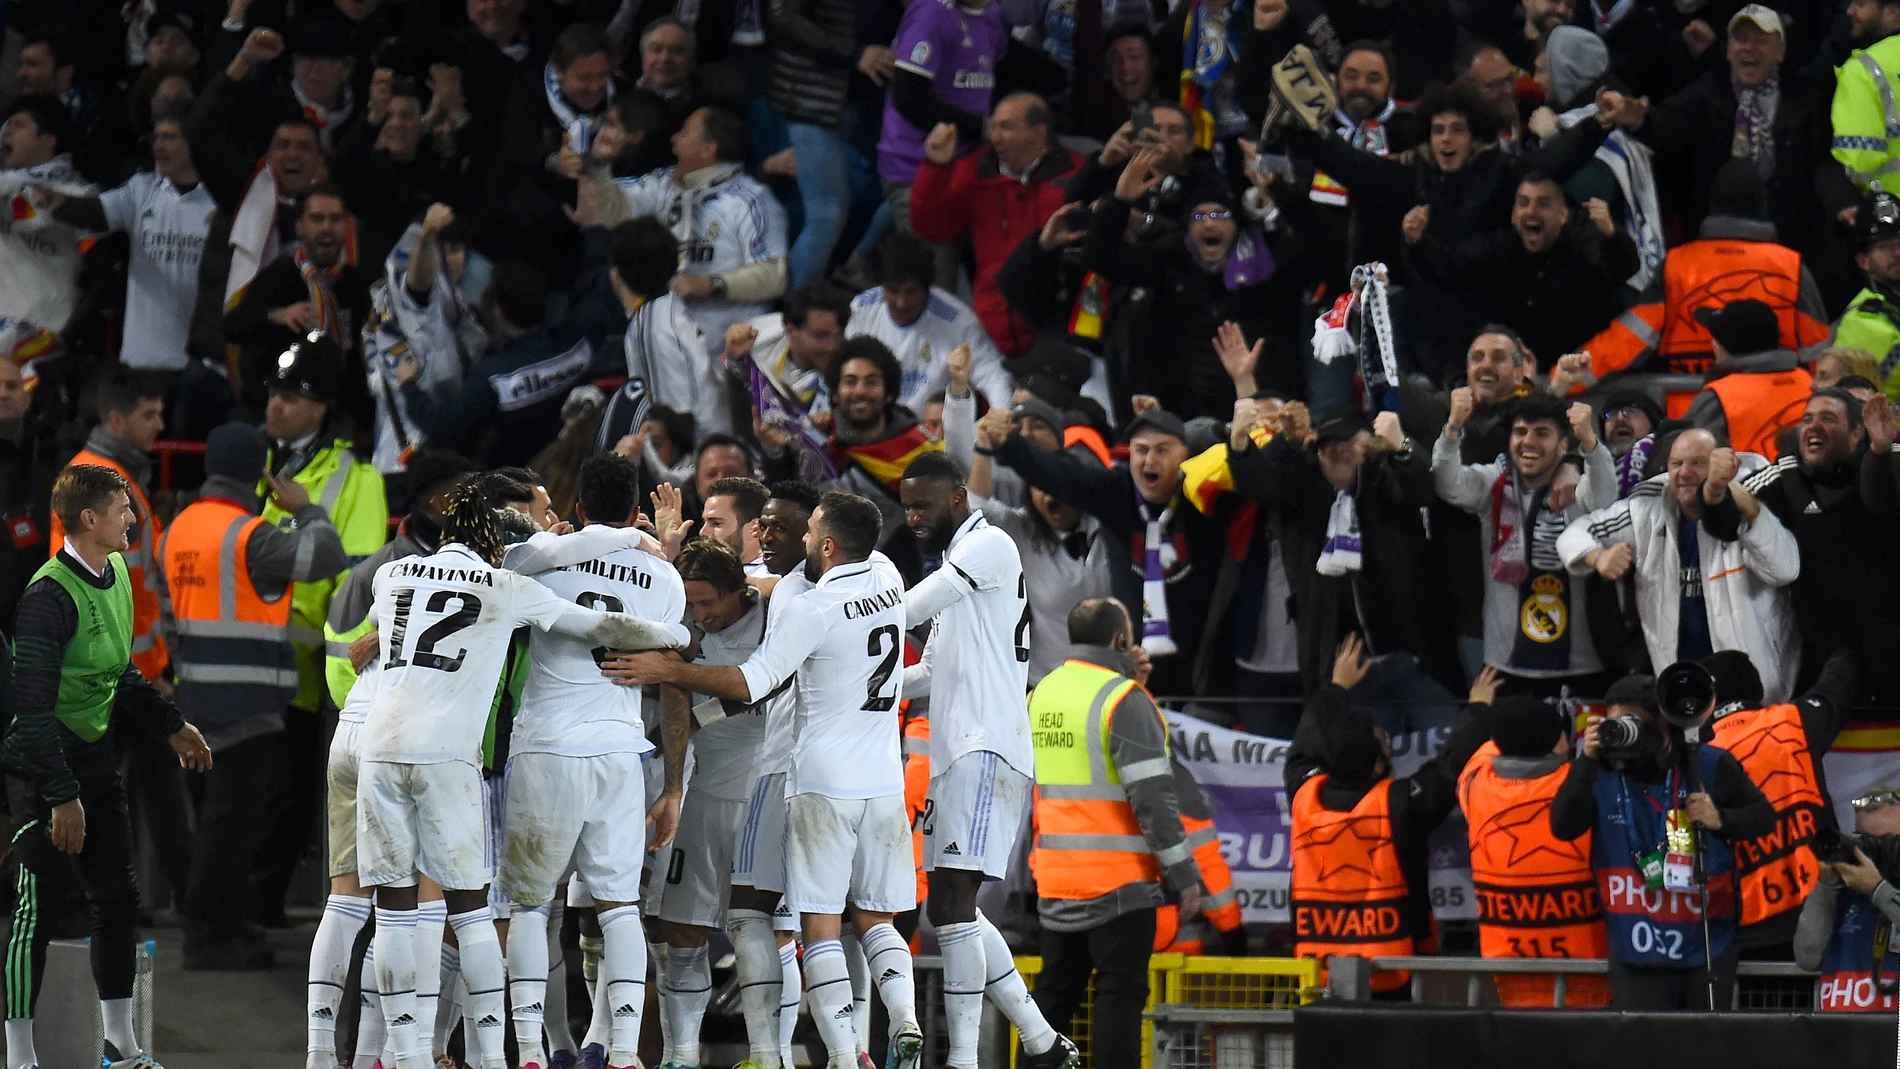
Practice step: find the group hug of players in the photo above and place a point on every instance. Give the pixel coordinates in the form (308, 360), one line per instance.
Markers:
(793, 816)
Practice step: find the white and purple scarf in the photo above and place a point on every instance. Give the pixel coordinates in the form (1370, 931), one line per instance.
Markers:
(1157, 557)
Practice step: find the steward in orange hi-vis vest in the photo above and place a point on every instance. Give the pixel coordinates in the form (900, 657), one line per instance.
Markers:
(1360, 836)
(1722, 267)
(1537, 896)
(1780, 746)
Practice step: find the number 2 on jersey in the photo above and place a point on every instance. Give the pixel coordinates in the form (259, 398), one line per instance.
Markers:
(605, 603)
(873, 701)
(468, 610)
(1022, 625)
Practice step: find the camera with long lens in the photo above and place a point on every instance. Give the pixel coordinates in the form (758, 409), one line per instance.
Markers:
(1684, 691)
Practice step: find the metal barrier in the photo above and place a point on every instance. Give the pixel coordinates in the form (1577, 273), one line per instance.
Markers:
(1430, 973)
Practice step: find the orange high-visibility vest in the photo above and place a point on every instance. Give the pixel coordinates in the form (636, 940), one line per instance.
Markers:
(1757, 406)
(1778, 869)
(233, 645)
(1537, 895)
(1702, 274)
(1087, 840)
(148, 646)
(917, 792)
(1348, 894)
(1088, 438)
(1219, 904)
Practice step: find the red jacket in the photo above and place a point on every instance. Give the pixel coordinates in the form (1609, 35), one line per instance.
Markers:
(998, 212)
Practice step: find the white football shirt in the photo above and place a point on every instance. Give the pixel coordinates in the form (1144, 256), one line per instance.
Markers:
(725, 751)
(976, 666)
(844, 641)
(445, 620)
(923, 348)
(724, 221)
(775, 752)
(167, 229)
(567, 706)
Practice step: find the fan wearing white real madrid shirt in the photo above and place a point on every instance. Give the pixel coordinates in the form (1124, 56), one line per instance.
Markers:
(975, 670)
(166, 213)
(445, 621)
(730, 228)
(922, 324)
(843, 642)
(575, 785)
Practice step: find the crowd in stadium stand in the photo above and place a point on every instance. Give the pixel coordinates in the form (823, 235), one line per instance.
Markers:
(1478, 369)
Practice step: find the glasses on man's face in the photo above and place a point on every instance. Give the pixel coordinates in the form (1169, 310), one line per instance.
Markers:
(1877, 799)
(1628, 412)
(1202, 217)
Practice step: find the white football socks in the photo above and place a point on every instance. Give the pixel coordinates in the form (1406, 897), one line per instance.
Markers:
(687, 990)
(485, 984)
(343, 919)
(528, 982)
(623, 982)
(1004, 986)
(828, 981)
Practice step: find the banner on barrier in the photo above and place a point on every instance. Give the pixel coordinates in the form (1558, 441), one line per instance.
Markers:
(1244, 778)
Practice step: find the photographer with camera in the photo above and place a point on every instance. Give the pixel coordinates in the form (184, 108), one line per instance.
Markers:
(1360, 835)
(1846, 926)
(1651, 801)
(1780, 746)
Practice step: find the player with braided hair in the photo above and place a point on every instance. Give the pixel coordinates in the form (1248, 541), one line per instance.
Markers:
(444, 621)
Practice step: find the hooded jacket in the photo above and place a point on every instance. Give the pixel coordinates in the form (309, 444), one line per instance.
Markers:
(1744, 581)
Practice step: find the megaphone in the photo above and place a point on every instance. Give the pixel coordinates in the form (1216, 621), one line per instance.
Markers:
(1685, 691)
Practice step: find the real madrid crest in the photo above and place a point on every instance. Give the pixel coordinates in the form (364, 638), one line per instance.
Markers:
(1544, 616)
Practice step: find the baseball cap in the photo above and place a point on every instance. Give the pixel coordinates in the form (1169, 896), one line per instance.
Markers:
(1744, 326)
(1340, 425)
(312, 366)
(1160, 419)
(1037, 408)
(1764, 17)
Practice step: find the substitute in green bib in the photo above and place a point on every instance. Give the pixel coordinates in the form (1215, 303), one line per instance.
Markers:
(311, 446)
(73, 681)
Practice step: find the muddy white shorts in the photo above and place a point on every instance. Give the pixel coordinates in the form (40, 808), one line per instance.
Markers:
(581, 813)
(421, 818)
(849, 850)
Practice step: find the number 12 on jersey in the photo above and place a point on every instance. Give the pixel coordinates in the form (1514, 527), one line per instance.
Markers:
(468, 610)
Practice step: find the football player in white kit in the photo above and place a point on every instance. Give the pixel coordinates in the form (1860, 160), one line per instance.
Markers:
(730, 619)
(841, 642)
(445, 620)
(574, 775)
(975, 670)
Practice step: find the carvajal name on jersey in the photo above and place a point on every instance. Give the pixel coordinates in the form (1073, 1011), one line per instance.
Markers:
(887, 599)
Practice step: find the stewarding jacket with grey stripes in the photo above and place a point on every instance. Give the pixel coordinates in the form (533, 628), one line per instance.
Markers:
(234, 678)
(1744, 582)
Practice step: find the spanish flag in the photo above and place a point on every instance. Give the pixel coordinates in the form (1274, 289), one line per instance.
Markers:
(1206, 477)
(885, 461)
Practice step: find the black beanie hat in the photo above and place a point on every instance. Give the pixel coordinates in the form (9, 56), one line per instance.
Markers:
(1352, 746)
(237, 451)
(1524, 726)
(1737, 683)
